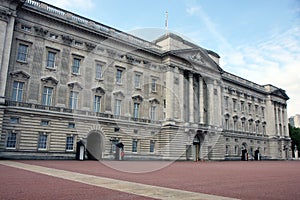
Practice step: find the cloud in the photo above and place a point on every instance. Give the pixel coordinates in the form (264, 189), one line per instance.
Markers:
(275, 61)
(73, 4)
(193, 10)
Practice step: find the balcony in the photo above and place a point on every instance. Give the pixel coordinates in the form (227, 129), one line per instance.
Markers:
(78, 112)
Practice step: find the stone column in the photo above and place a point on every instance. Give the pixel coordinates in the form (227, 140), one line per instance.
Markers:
(201, 101)
(181, 94)
(210, 94)
(169, 95)
(6, 26)
(191, 98)
(286, 122)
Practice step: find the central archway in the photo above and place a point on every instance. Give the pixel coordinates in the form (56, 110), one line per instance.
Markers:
(95, 145)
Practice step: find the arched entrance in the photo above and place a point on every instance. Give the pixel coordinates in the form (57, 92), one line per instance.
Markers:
(244, 151)
(197, 146)
(95, 145)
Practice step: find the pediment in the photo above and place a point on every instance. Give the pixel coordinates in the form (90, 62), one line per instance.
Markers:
(280, 93)
(119, 94)
(75, 85)
(47, 79)
(137, 97)
(153, 101)
(198, 58)
(98, 90)
(20, 74)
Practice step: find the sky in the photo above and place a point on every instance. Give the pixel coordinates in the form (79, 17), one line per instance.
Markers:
(257, 39)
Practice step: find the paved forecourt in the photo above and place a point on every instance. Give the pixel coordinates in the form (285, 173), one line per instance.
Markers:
(144, 190)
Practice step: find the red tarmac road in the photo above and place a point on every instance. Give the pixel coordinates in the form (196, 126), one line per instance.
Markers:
(244, 180)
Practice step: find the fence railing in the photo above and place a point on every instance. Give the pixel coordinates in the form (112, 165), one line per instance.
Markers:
(78, 112)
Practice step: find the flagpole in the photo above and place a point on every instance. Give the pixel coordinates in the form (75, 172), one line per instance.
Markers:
(166, 22)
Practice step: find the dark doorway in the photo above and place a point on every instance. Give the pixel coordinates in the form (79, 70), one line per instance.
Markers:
(95, 146)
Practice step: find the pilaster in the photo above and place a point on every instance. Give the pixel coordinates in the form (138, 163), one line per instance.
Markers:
(7, 20)
(191, 98)
(201, 101)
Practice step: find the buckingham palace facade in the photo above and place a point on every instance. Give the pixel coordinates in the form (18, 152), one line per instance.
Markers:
(67, 80)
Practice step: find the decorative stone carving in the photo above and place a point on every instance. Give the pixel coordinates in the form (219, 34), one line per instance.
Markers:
(99, 90)
(198, 58)
(20, 74)
(67, 39)
(90, 46)
(75, 85)
(4, 15)
(49, 79)
(137, 97)
(40, 31)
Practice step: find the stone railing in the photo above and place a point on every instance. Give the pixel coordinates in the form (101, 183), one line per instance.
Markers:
(68, 16)
(243, 81)
(78, 112)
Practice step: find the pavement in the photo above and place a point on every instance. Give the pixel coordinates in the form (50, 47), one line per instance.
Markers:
(177, 180)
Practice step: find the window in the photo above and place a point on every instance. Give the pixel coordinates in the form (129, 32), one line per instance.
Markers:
(135, 131)
(44, 123)
(264, 129)
(17, 93)
(235, 124)
(71, 125)
(114, 142)
(257, 127)
(14, 120)
(226, 102)
(152, 146)
(234, 104)
(47, 96)
(76, 65)
(249, 108)
(236, 150)
(118, 107)
(25, 28)
(136, 107)
(263, 111)
(137, 81)
(227, 150)
(226, 123)
(77, 43)
(22, 52)
(73, 100)
(11, 140)
(70, 143)
(153, 85)
(42, 142)
(97, 103)
(98, 71)
(153, 113)
(119, 76)
(53, 36)
(134, 145)
(243, 125)
(242, 106)
(51, 59)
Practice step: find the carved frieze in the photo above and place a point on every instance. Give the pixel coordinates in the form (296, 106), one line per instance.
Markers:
(40, 31)
(90, 46)
(67, 39)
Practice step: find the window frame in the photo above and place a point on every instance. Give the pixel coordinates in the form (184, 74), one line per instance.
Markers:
(73, 100)
(97, 104)
(153, 85)
(70, 145)
(11, 140)
(19, 93)
(47, 98)
(119, 76)
(76, 64)
(50, 62)
(118, 107)
(22, 55)
(43, 139)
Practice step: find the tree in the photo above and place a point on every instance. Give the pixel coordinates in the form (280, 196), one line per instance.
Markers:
(295, 136)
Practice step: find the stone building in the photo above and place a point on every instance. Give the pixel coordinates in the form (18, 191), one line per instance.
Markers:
(295, 121)
(68, 80)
